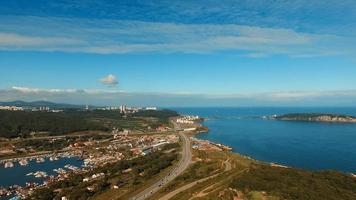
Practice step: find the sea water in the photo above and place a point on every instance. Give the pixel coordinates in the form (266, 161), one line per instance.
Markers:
(307, 145)
(17, 175)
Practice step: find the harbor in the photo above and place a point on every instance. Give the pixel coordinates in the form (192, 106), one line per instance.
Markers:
(22, 174)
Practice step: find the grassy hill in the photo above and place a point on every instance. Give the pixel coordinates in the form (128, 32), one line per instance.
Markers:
(254, 180)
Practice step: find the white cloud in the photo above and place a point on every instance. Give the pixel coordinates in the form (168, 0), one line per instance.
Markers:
(16, 40)
(25, 89)
(115, 97)
(120, 36)
(110, 80)
(37, 90)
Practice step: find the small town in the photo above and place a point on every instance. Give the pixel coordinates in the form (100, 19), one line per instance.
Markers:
(177, 100)
(123, 108)
(93, 153)
(92, 149)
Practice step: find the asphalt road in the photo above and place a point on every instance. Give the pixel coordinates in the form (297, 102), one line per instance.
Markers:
(177, 170)
(168, 196)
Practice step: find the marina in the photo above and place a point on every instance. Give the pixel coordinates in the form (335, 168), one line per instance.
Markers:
(35, 170)
(18, 176)
(23, 174)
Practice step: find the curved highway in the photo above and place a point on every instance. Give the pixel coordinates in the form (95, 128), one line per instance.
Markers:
(177, 170)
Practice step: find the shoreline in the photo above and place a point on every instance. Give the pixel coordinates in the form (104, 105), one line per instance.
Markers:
(271, 163)
(225, 147)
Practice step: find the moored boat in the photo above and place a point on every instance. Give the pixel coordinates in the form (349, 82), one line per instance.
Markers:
(40, 160)
(40, 174)
(8, 164)
(23, 162)
(29, 174)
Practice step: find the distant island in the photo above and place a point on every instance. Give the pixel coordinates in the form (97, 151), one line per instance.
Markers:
(316, 117)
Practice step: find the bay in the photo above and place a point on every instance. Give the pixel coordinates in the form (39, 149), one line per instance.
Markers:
(306, 145)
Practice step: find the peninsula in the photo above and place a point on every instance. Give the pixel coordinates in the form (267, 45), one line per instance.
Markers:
(316, 117)
(144, 154)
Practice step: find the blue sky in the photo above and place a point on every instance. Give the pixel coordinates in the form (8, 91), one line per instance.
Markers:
(179, 53)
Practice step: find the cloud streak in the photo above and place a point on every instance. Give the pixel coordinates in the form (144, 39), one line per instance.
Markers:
(115, 97)
(37, 90)
(126, 36)
(13, 40)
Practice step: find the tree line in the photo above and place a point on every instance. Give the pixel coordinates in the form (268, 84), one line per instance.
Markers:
(22, 123)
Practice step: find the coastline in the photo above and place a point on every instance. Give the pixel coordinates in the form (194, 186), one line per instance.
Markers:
(224, 147)
(215, 172)
(270, 163)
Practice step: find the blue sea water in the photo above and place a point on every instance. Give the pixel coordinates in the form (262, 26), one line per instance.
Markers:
(17, 174)
(307, 145)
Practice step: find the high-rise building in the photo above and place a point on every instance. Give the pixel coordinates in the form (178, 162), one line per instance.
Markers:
(123, 109)
(151, 108)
